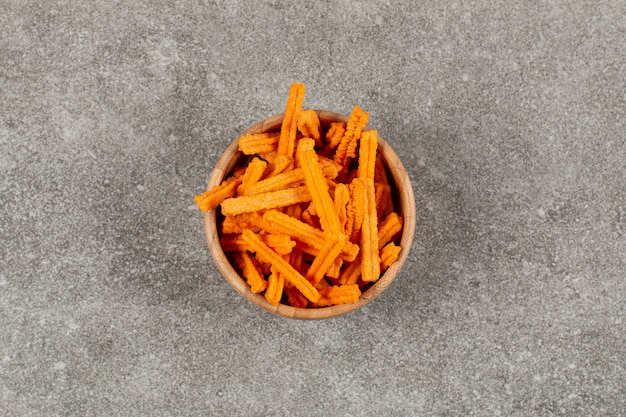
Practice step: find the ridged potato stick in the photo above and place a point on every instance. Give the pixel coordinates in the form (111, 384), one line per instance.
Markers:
(253, 173)
(214, 197)
(251, 203)
(388, 228)
(282, 244)
(340, 200)
(258, 143)
(351, 273)
(347, 146)
(341, 294)
(383, 199)
(334, 135)
(316, 184)
(275, 285)
(356, 209)
(288, 129)
(312, 238)
(370, 262)
(388, 255)
(326, 257)
(253, 276)
(268, 255)
(367, 155)
(309, 126)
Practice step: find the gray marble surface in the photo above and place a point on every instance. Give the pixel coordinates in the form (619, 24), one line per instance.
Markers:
(510, 117)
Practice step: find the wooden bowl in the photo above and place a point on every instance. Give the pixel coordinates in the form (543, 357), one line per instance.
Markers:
(404, 203)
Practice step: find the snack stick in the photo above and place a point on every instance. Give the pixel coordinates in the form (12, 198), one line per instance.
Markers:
(334, 135)
(295, 297)
(216, 195)
(325, 258)
(254, 171)
(282, 223)
(370, 262)
(383, 197)
(342, 294)
(388, 255)
(316, 184)
(340, 200)
(351, 273)
(258, 143)
(278, 165)
(236, 224)
(312, 239)
(275, 286)
(335, 269)
(288, 129)
(258, 202)
(380, 172)
(309, 126)
(251, 273)
(284, 180)
(268, 255)
(282, 244)
(388, 228)
(367, 154)
(357, 196)
(347, 146)
(330, 168)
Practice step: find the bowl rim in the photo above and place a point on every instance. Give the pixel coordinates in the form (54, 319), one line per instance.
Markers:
(399, 175)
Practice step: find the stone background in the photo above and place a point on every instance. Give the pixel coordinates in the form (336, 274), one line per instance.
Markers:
(510, 118)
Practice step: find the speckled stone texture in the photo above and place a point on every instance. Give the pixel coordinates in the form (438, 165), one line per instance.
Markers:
(509, 116)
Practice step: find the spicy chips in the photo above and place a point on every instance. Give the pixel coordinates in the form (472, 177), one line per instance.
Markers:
(308, 215)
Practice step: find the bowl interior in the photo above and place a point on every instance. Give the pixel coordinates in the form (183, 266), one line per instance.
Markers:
(404, 202)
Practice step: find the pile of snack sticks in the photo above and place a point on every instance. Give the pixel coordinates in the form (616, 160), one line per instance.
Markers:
(308, 215)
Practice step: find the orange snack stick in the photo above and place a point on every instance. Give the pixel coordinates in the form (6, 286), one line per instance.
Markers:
(334, 135)
(278, 165)
(309, 216)
(236, 224)
(282, 244)
(295, 297)
(325, 258)
(258, 143)
(351, 273)
(348, 144)
(383, 198)
(370, 262)
(340, 200)
(335, 269)
(275, 285)
(330, 168)
(388, 255)
(342, 294)
(309, 126)
(253, 277)
(215, 196)
(284, 180)
(288, 129)
(316, 184)
(380, 173)
(258, 202)
(367, 154)
(312, 238)
(356, 209)
(253, 173)
(388, 228)
(283, 267)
